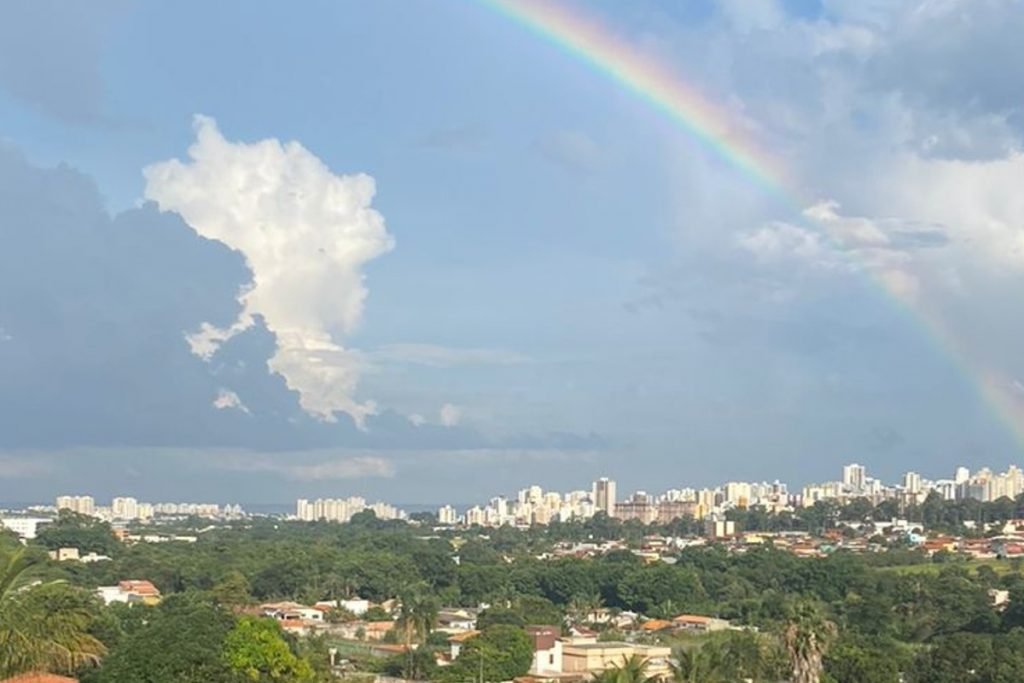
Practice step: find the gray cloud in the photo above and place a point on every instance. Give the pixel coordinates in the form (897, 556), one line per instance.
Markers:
(95, 311)
(50, 55)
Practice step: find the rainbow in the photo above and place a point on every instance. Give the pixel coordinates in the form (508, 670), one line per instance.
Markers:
(730, 138)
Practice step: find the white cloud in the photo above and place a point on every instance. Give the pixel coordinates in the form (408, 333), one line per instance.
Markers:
(417, 419)
(450, 415)
(890, 249)
(306, 234)
(227, 399)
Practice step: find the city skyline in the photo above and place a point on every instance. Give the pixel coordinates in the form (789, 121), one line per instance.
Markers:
(854, 480)
(422, 245)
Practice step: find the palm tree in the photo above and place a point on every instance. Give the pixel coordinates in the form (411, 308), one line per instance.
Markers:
(582, 608)
(43, 625)
(696, 665)
(416, 618)
(633, 669)
(807, 636)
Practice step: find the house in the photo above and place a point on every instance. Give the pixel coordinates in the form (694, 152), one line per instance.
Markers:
(655, 625)
(39, 678)
(372, 631)
(356, 606)
(547, 649)
(64, 554)
(593, 658)
(133, 592)
(456, 620)
(456, 641)
(1000, 598)
(700, 624)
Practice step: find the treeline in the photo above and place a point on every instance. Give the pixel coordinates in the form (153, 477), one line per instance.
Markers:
(886, 620)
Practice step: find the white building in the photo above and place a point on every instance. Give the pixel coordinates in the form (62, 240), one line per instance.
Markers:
(124, 508)
(604, 496)
(447, 515)
(854, 477)
(83, 505)
(26, 528)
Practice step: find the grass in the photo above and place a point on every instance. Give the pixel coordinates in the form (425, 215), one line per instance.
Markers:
(998, 566)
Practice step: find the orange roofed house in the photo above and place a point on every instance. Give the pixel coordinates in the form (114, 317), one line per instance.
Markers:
(133, 591)
(39, 678)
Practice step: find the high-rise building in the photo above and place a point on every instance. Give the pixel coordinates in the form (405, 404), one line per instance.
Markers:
(83, 505)
(962, 476)
(447, 515)
(604, 496)
(854, 477)
(912, 482)
(124, 508)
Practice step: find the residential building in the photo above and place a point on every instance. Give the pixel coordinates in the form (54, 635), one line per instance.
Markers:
(83, 505)
(131, 592)
(447, 515)
(854, 477)
(604, 496)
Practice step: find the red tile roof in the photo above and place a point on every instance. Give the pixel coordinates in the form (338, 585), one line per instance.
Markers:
(39, 678)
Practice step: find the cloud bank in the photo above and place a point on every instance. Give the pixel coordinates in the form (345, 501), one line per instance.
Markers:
(306, 235)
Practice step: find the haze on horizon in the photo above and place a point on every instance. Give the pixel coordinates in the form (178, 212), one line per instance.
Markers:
(413, 251)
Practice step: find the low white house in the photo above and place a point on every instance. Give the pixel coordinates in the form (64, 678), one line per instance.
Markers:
(356, 606)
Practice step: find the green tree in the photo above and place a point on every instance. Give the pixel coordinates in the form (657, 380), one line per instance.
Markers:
(232, 590)
(256, 649)
(416, 618)
(72, 530)
(853, 663)
(44, 626)
(183, 642)
(500, 653)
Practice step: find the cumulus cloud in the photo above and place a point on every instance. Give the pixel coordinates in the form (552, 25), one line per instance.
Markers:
(450, 415)
(306, 234)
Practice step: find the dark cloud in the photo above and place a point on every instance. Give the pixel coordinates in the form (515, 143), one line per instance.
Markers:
(94, 311)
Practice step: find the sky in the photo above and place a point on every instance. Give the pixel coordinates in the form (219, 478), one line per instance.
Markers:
(413, 250)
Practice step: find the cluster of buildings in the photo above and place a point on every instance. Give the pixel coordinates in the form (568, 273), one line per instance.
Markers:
(573, 653)
(342, 509)
(129, 509)
(984, 485)
(533, 505)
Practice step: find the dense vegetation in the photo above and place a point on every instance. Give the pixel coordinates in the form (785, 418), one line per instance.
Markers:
(861, 618)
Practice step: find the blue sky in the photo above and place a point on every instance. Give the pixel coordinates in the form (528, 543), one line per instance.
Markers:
(551, 281)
